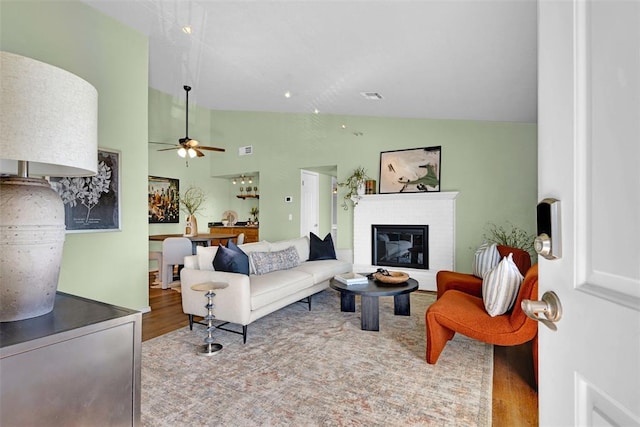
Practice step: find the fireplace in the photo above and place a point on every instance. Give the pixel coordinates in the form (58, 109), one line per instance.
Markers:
(400, 246)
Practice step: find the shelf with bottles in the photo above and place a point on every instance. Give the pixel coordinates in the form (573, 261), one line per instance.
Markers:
(248, 193)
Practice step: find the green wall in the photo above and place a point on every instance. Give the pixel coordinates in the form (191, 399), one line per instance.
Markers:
(110, 267)
(492, 165)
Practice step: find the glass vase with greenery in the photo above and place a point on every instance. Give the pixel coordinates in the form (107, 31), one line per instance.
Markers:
(191, 202)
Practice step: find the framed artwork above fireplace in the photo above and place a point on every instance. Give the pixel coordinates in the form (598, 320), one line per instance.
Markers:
(415, 170)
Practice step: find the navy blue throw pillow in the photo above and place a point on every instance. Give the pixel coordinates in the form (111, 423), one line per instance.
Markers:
(321, 249)
(231, 261)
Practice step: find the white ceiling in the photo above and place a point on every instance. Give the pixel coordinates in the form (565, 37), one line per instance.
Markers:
(449, 59)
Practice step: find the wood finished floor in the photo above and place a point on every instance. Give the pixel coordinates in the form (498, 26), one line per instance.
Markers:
(515, 400)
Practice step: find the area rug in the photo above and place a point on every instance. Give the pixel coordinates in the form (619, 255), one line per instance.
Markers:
(318, 368)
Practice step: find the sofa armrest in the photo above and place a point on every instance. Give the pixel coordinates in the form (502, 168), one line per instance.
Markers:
(231, 304)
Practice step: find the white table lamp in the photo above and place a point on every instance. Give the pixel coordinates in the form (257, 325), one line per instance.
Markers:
(48, 127)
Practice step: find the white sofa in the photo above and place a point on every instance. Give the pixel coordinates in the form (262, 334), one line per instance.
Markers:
(248, 298)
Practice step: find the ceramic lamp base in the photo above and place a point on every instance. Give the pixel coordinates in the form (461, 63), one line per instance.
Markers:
(32, 233)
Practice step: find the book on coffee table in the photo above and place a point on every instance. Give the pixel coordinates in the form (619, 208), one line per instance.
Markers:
(351, 278)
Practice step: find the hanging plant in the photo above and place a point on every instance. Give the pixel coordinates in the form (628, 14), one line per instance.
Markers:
(355, 186)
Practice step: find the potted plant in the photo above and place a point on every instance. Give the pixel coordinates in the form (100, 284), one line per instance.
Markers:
(355, 185)
(254, 213)
(191, 202)
(511, 235)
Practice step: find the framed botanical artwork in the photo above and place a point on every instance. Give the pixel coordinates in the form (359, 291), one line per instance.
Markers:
(164, 200)
(92, 203)
(415, 170)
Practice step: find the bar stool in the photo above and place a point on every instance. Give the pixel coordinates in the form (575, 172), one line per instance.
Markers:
(209, 348)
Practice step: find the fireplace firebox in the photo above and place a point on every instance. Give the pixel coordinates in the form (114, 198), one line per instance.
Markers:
(400, 246)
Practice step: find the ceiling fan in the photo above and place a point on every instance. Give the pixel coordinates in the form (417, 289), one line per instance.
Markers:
(187, 146)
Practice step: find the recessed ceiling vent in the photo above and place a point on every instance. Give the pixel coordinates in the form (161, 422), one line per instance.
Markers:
(246, 150)
(375, 96)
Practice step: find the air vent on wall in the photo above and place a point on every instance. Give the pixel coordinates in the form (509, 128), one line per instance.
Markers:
(246, 150)
(372, 95)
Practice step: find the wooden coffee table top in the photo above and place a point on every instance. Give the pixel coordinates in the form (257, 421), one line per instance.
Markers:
(375, 288)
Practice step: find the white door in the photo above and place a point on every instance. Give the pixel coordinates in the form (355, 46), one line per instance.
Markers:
(309, 203)
(589, 159)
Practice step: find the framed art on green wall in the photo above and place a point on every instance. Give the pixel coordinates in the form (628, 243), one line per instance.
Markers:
(164, 200)
(92, 204)
(415, 170)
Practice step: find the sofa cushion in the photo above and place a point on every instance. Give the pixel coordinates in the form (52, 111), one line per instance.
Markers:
(324, 269)
(321, 249)
(267, 288)
(265, 262)
(205, 255)
(262, 246)
(231, 260)
(301, 244)
(500, 287)
(485, 260)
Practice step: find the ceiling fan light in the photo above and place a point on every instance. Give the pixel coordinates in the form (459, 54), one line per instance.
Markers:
(182, 152)
(192, 152)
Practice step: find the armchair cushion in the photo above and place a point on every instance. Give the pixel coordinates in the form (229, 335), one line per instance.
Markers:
(500, 287)
(486, 259)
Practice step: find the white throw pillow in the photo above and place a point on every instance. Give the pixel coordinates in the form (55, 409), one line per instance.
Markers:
(500, 287)
(205, 257)
(485, 260)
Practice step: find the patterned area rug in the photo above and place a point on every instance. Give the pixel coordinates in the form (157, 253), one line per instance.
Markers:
(318, 368)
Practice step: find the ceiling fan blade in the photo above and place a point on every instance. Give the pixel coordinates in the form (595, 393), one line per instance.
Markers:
(175, 147)
(203, 147)
(198, 152)
(162, 143)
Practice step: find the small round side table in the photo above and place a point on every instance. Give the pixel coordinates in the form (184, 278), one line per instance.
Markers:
(209, 348)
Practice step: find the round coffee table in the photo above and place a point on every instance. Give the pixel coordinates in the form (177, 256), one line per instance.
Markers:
(369, 293)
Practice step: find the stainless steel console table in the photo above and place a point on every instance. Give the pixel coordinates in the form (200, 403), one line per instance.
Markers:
(76, 366)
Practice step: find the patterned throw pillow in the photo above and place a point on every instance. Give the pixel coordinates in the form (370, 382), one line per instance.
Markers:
(500, 287)
(486, 258)
(266, 262)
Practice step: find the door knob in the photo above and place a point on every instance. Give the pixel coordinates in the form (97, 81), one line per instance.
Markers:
(549, 306)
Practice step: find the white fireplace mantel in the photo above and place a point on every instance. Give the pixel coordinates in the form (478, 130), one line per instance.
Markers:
(437, 210)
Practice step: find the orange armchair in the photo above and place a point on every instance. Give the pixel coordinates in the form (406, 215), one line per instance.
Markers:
(457, 311)
(472, 285)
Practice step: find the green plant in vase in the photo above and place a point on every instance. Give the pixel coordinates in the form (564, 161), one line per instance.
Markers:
(191, 203)
(512, 236)
(355, 184)
(254, 213)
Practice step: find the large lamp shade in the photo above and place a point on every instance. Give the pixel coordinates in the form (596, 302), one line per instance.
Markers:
(48, 127)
